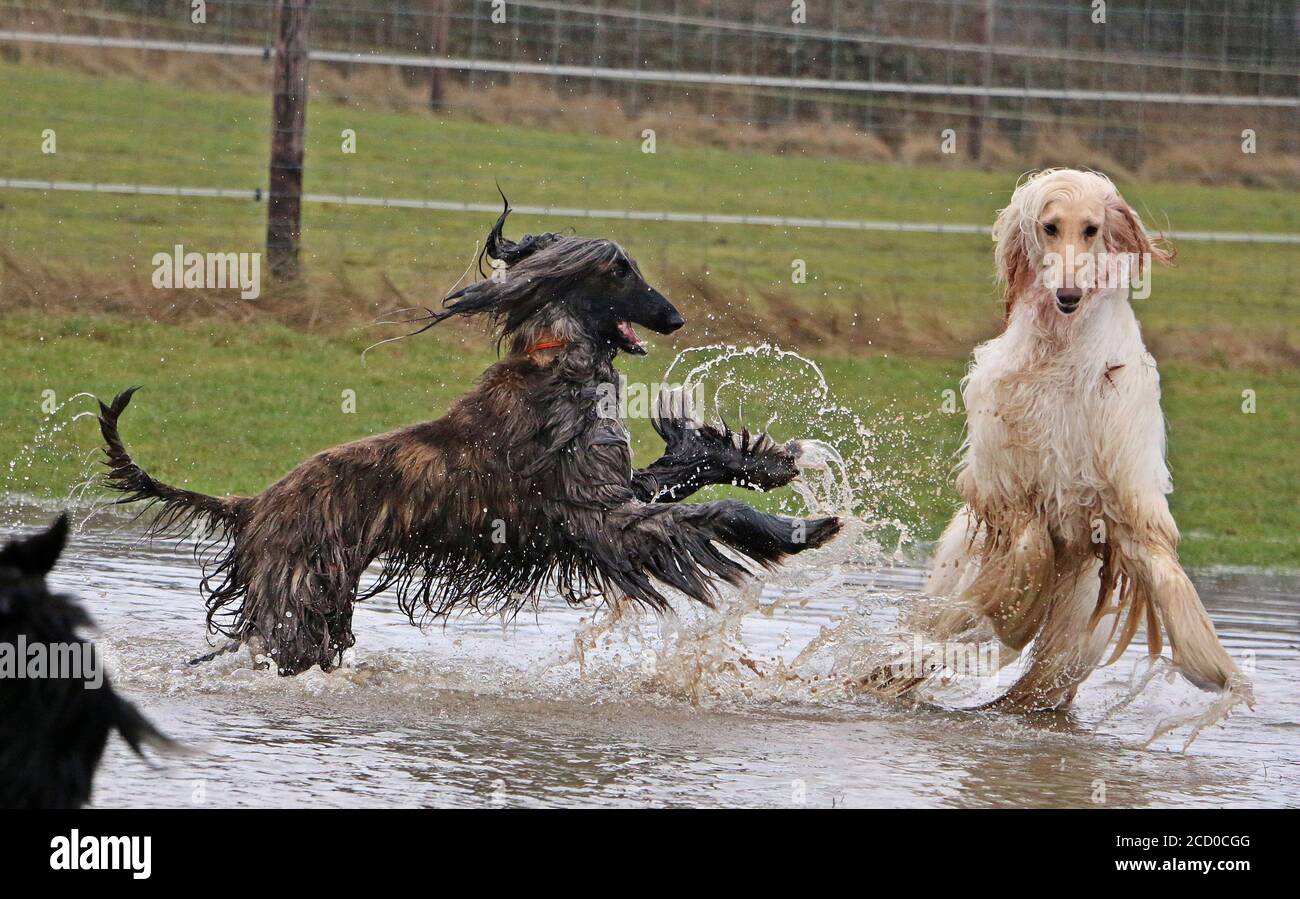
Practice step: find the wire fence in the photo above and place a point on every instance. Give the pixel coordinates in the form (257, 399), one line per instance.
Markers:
(571, 212)
(662, 76)
(723, 139)
(891, 67)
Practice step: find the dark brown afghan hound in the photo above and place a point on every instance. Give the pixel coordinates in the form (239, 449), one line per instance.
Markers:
(525, 485)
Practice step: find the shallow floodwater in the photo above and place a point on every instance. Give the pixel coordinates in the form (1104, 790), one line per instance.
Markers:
(709, 710)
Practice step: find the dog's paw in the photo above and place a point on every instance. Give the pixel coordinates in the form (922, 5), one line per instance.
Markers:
(755, 461)
(759, 462)
(1240, 687)
(816, 532)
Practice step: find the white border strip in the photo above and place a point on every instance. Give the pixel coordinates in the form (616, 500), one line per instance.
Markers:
(656, 75)
(633, 215)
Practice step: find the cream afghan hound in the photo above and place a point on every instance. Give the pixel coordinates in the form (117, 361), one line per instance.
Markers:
(1065, 540)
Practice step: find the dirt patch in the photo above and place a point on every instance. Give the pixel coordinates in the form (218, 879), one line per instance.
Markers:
(327, 304)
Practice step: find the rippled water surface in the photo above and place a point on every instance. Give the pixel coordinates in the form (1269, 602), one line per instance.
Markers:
(709, 710)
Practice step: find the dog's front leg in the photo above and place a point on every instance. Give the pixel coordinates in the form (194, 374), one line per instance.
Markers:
(698, 455)
(635, 548)
(1197, 651)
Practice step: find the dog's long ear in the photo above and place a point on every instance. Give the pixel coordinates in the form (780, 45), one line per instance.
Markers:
(34, 556)
(511, 301)
(1015, 270)
(1125, 234)
(481, 296)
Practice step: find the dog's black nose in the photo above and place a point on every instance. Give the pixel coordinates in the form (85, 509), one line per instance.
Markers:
(673, 321)
(1067, 299)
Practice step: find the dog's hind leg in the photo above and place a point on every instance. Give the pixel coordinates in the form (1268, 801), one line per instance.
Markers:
(299, 613)
(1069, 646)
(941, 617)
(316, 632)
(981, 589)
(956, 558)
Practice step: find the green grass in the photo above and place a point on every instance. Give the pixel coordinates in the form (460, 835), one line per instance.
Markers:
(227, 411)
(229, 408)
(119, 130)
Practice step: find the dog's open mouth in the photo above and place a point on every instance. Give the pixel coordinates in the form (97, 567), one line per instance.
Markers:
(628, 341)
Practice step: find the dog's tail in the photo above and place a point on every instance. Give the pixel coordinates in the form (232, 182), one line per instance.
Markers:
(180, 508)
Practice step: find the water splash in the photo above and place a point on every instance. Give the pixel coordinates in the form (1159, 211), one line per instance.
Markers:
(1191, 714)
(869, 470)
(48, 448)
(851, 467)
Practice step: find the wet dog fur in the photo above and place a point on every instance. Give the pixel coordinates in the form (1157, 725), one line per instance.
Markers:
(524, 486)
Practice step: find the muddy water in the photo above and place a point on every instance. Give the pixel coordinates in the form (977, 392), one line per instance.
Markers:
(712, 709)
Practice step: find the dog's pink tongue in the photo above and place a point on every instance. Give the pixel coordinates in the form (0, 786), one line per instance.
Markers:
(626, 330)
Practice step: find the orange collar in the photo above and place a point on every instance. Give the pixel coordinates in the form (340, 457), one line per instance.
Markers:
(549, 343)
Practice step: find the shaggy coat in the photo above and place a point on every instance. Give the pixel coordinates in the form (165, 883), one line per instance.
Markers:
(53, 729)
(525, 486)
(1065, 539)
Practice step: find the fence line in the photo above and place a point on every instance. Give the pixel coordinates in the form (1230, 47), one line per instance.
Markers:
(805, 32)
(658, 76)
(634, 215)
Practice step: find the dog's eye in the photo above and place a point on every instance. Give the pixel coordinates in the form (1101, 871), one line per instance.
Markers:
(1090, 231)
(621, 269)
(1050, 229)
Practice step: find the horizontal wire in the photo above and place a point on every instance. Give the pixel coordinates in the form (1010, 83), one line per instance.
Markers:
(635, 215)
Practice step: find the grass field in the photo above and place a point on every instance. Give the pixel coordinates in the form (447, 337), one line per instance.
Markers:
(234, 397)
(229, 411)
(928, 294)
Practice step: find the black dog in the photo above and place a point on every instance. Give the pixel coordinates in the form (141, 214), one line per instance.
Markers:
(52, 728)
(525, 485)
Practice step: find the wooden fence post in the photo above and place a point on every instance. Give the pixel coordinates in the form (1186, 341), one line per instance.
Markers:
(438, 37)
(985, 23)
(289, 113)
